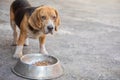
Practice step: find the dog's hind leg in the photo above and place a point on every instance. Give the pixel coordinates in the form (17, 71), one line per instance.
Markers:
(15, 34)
(19, 48)
(14, 28)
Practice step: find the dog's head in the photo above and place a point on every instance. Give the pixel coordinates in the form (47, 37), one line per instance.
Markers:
(45, 18)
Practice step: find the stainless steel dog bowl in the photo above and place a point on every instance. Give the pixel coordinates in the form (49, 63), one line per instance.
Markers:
(25, 67)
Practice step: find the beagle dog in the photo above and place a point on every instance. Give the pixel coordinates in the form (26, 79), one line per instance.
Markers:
(33, 22)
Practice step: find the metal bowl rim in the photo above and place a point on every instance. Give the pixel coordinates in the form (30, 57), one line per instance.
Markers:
(12, 69)
(57, 62)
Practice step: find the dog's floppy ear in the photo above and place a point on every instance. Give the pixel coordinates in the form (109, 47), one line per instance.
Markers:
(35, 20)
(57, 21)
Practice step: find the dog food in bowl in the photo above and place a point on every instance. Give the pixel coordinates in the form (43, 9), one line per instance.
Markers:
(41, 63)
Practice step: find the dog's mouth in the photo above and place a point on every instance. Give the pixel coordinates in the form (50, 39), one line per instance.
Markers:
(49, 32)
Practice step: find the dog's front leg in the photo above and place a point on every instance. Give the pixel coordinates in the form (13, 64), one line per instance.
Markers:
(42, 40)
(20, 44)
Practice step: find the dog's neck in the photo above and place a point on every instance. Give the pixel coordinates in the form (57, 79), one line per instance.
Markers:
(33, 30)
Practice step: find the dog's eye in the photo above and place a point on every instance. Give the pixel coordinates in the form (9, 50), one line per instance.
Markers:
(53, 17)
(43, 17)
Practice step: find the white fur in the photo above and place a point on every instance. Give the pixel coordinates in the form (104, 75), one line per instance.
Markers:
(43, 49)
(50, 23)
(26, 42)
(18, 52)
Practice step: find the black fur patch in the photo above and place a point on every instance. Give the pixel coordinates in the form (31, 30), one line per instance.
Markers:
(20, 8)
(18, 4)
(21, 12)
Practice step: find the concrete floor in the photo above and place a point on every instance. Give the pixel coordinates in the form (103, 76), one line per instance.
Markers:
(87, 43)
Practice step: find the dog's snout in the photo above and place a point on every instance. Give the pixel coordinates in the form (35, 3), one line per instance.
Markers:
(50, 28)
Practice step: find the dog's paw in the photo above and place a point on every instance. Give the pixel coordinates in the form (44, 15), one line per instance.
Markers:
(26, 42)
(18, 52)
(43, 49)
(18, 55)
(43, 52)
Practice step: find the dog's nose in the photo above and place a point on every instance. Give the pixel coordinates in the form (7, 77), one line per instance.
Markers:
(50, 28)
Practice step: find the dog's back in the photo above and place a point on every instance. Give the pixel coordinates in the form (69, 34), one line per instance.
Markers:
(18, 9)
(19, 4)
